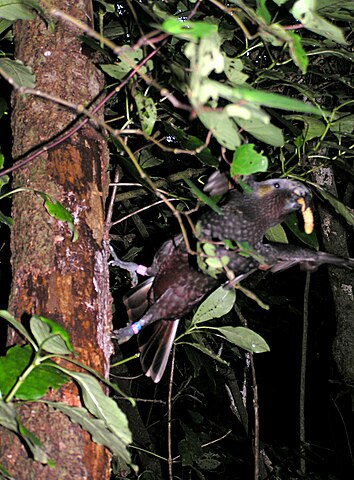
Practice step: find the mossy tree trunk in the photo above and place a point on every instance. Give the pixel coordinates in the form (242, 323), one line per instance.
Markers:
(52, 276)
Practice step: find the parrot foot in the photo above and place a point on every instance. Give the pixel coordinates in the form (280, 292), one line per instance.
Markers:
(124, 334)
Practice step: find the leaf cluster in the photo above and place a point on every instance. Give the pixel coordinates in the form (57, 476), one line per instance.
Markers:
(28, 372)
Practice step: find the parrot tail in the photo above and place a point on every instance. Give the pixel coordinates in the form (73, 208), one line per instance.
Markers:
(155, 343)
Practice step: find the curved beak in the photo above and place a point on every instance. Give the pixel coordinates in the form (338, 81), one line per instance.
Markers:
(304, 196)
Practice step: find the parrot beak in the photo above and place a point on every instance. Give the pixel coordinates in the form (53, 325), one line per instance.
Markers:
(307, 215)
(304, 196)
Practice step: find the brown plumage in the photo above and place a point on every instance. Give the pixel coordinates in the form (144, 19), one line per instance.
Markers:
(176, 285)
(173, 291)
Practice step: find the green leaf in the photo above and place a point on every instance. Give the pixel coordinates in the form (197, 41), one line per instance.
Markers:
(246, 250)
(246, 111)
(222, 127)
(147, 112)
(10, 420)
(292, 222)
(313, 127)
(5, 474)
(233, 70)
(245, 338)
(6, 220)
(210, 261)
(305, 12)
(204, 350)
(16, 10)
(110, 8)
(37, 383)
(266, 133)
(117, 71)
(58, 211)
(128, 59)
(148, 160)
(16, 73)
(202, 196)
(338, 206)
(34, 444)
(96, 428)
(258, 97)
(189, 142)
(209, 461)
(205, 57)
(217, 304)
(247, 161)
(263, 11)
(4, 25)
(8, 416)
(343, 126)
(50, 336)
(190, 447)
(276, 234)
(4, 180)
(297, 52)
(187, 29)
(16, 325)
(101, 406)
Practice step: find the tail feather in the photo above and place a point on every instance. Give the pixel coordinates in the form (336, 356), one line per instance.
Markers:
(307, 259)
(155, 343)
(137, 300)
(217, 184)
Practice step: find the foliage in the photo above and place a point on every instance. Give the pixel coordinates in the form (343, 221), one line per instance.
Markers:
(54, 208)
(27, 373)
(263, 86)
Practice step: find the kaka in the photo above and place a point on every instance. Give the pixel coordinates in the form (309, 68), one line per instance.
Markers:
(230, 247)
(172, 291)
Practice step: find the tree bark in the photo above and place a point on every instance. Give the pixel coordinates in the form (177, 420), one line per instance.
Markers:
(341, 281)
(52, 276)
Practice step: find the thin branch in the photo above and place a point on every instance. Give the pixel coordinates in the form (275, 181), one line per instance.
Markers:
(141, 210)
(175, 177)
(302, 435)
(256, 443)
(108, 222)
(71, 131)
(209, 443)
(169, 415)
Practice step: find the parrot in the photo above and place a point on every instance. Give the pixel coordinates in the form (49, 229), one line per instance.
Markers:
(230, 246)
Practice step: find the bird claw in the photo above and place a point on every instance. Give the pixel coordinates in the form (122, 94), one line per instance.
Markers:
(131, 267)
(124, 334)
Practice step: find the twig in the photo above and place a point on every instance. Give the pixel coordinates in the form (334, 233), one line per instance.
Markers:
(108, 222)
(208, 443)
(175, 177)
(302, 435)
(169, 416)
(71, 131)
(256, 444)
(141, 210)
(235, 396)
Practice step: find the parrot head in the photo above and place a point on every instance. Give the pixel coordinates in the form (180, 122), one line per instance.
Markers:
(277, 198)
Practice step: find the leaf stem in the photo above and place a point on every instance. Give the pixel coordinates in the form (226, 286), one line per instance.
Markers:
(36, 361)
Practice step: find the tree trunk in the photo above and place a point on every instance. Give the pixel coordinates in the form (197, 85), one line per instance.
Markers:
(53, 276)
(341, 281)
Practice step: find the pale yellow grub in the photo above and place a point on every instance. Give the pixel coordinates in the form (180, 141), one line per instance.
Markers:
(307, 215)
